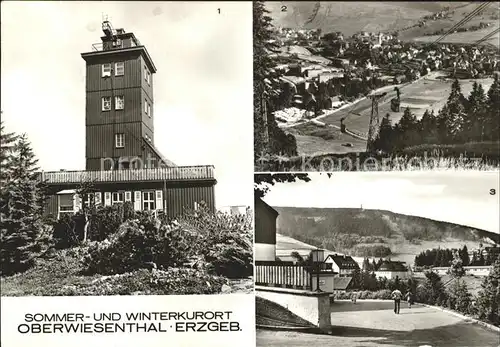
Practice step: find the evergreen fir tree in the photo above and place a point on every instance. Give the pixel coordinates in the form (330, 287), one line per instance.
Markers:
(474, 261)
(475, 121)
(456, 112)
(435, 288)
(442, 125)
(23, 195)
(481, 259)
(492, 121)
(384, 140)
(366, 265)
(7, 142)
(379, 262)
(488, 259)
(456, 269)
(428, 126)
(268, 137)
(356, 279)
(409, 127)
(488, 301)
(459, 297)
(465, 256)
(443, 261)
(262, 64)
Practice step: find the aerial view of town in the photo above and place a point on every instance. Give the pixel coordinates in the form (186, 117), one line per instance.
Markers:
(375, 79)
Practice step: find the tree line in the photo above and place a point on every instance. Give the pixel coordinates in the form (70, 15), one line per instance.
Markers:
(456, 296)
(443, 257)
(461, 120)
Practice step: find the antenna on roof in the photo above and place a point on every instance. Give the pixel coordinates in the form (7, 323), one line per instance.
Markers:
(107, 28)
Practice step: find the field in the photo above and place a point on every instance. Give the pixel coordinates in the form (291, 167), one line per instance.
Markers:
(352, 17)
(314, 140)
(426, 93)
(465, 37)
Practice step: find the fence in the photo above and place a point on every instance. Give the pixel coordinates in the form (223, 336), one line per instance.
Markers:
(283, 274)
(130, 175)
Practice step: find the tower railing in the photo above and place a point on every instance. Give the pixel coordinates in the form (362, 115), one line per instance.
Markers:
(97, 47)
(178, 173)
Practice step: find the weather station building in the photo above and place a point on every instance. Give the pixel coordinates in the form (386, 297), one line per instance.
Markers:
(122, 163)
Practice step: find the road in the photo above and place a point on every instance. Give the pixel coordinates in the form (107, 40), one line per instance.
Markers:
(370, 324)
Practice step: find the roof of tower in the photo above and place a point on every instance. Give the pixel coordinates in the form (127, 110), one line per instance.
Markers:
(120, 51)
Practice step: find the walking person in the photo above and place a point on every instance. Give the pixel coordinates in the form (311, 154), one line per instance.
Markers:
(396, 296)
(409, 298)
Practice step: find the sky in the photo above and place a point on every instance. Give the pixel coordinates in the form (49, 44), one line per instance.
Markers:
(456, 197)
(202, 89)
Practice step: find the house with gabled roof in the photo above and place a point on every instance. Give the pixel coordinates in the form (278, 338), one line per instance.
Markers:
(344, 265)
(391, 269)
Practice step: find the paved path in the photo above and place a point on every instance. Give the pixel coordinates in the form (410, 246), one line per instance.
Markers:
(371, 324)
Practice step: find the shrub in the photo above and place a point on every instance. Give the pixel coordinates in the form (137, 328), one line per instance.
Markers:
(105, 220)
(384, 294)
(365, 294)
(66, 231)
(137, 246)
(226, 241)
(488, 300)
(219, 244)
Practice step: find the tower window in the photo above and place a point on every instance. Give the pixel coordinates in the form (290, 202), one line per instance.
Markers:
(147, 107)
(119, 102)
(106, 103)
(120, 140)
(106, 70)
(117, 43)
(119, 68)
(147, 75)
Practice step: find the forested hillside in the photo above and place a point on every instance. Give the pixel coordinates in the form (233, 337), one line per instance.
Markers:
(371, 233)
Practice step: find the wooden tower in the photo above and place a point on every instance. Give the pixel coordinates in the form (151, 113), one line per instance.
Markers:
(119, 103)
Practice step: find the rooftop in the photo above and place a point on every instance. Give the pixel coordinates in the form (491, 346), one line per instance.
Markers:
(344, 261)
(97, 50)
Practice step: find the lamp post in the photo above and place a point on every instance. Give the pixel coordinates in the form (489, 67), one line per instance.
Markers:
(317, 256)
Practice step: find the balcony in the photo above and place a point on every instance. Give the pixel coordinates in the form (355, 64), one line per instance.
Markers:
(113, 45)
(179, 173)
